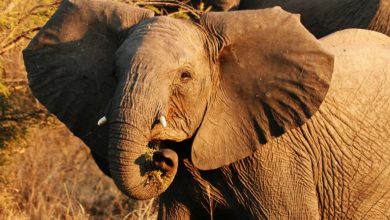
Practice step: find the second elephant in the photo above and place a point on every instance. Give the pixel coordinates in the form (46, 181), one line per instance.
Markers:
(322, 17)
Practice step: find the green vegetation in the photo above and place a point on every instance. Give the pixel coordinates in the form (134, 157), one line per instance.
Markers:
(18, 112)
(19, 21)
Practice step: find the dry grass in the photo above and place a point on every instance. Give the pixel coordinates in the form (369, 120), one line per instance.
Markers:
(45, 172)
(51, 175)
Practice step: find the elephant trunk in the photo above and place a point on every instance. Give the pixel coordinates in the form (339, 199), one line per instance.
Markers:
(138, 167)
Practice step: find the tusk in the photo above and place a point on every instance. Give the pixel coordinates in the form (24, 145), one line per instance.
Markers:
(163, 121)
(102, 121)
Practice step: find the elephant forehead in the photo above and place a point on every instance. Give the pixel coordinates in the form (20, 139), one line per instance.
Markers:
(168, 32)
(165, 41)
(162, 45)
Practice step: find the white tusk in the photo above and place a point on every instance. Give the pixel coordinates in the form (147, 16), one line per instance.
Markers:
(102, 121)
(163, 121)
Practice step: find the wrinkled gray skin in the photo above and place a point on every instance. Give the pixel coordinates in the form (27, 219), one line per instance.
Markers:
(322, 17)
(246, 137)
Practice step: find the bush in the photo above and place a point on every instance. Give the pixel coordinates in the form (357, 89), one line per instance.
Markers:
(45, 172)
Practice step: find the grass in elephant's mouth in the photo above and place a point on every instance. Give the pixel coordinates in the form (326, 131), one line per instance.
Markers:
(154, 146)
(156, 176)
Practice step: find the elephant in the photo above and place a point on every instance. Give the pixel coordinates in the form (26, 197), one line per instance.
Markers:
(240, 115)
(321, 17)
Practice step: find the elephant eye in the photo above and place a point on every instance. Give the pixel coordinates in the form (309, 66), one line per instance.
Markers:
(185, 76)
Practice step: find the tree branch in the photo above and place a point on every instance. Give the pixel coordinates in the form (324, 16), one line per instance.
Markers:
(24, 35)
(31, 11)
(14, 41)
(170, 3)
(26, 116)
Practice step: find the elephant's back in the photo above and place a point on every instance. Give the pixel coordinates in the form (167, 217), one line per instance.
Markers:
(361, 69)
(354, 121)
(355, 39)
(360, 82)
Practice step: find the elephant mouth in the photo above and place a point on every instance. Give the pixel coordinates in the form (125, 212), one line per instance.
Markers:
(177, 146)
(181, 148)
(159, 167)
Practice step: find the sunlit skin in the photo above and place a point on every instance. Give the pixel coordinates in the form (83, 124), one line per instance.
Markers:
(241, 115)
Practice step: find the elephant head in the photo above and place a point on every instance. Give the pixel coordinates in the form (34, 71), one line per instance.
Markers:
(228, 84)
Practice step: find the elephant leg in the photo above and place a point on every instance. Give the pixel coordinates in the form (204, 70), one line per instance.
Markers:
(173, 210)
(183, 199)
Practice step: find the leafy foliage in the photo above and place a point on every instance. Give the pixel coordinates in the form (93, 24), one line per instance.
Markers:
(173, 8)
(18, 112)
(19, 21)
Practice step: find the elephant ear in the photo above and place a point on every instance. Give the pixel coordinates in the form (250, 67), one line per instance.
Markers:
(71, 65)
(273, 76)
